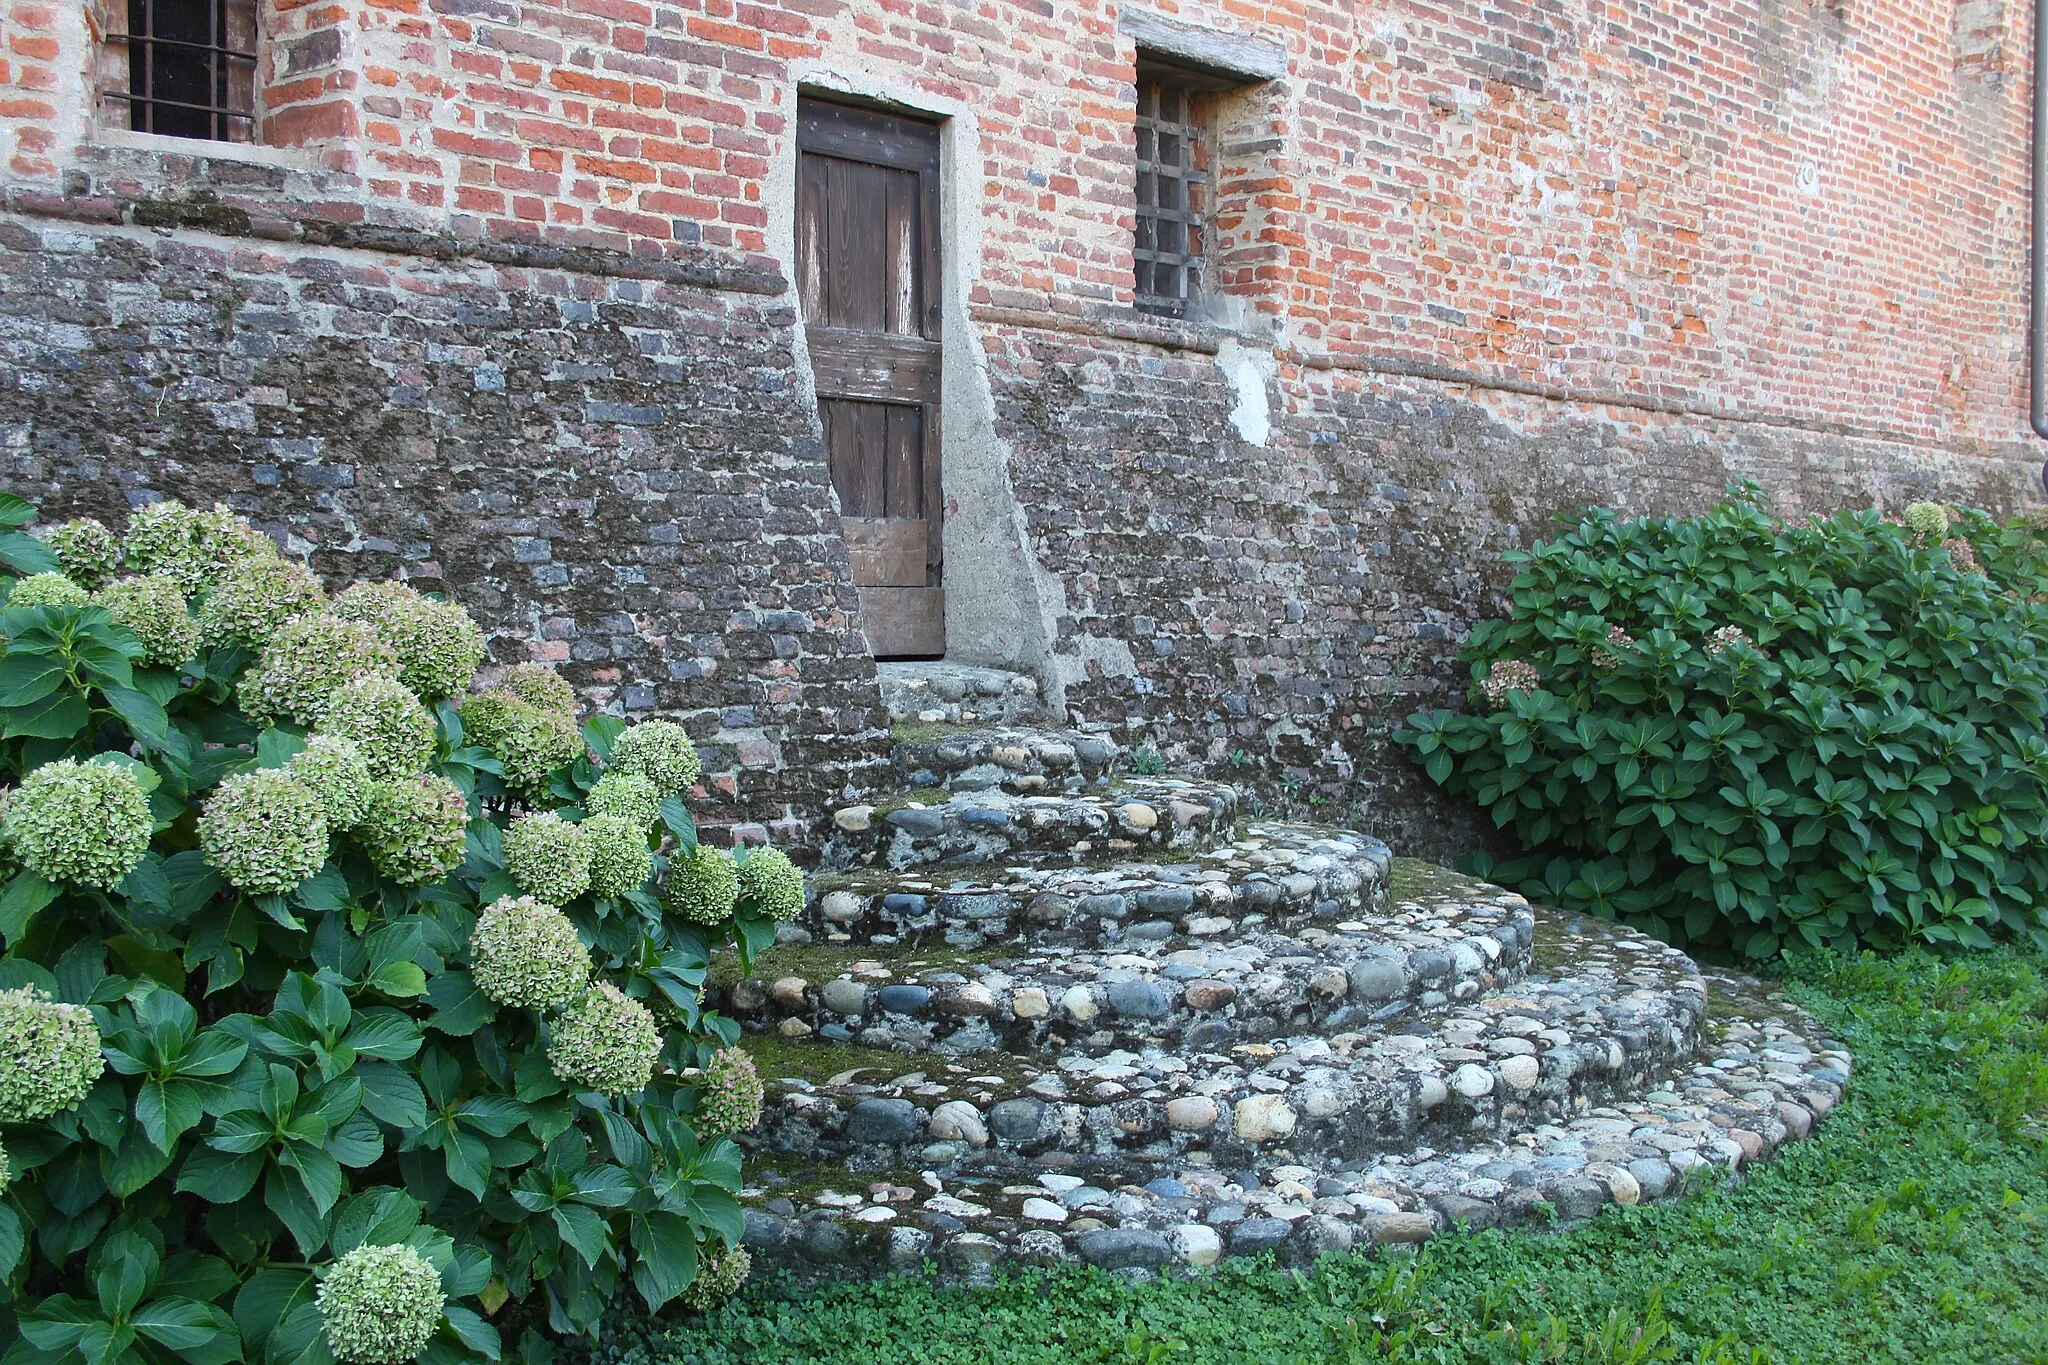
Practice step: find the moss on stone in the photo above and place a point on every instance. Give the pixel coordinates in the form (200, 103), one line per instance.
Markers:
(816, 962)
(1411, 878)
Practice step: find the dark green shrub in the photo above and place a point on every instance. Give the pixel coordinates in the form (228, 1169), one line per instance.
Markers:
(302, 1054)
(1741, 733)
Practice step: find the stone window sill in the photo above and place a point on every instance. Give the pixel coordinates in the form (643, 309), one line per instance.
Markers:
(242, 153)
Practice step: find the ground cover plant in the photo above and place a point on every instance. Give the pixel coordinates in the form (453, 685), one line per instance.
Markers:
(345, 1013)
(1740, 733)
(1912, 1227)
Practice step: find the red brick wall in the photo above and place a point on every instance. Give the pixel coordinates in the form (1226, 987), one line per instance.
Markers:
(1765, 206)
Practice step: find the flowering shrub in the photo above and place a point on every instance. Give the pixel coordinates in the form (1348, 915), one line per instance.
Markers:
(1742, 733)
(290, 1070)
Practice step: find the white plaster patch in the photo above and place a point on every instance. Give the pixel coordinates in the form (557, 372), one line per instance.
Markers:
(1248, 370)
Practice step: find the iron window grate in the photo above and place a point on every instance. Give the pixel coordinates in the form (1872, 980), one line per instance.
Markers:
(1168, 250)
(191, 68)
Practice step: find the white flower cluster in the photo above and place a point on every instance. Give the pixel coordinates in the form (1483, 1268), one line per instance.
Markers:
(620, 860)
(1508, 675)
(250, 605)
(416, 829)
(305, 663)
(661, 752)
(720, 1273)
(772, 883)
(605, 1042)
(335, 770)
(47, 590)
(438, 646)
(626, 795)
(386, 723)
(380, 1305)
(49, 1055)
(264, 831)
(548, 856)
(525, 952)
(728, 1093)
(153, 607)
(1724, 639)
(531, 741)
(1609, 655)
(1928, 521)
(86, 550)
(703, 885)
(196, 548)
(79, 822)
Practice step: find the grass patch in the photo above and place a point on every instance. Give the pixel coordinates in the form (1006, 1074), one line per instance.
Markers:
(1913, 1227)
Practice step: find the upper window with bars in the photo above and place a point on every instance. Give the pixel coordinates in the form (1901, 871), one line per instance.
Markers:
(1172, 169)
(181, 68)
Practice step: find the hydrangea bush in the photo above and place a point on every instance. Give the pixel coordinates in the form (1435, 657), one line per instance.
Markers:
(1741, 733)
(342, 1013)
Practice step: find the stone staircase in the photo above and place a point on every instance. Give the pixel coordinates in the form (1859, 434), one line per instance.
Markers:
(1043, 1009)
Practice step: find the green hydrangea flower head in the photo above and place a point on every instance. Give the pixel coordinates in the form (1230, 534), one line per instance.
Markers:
(264, 831)
(303, 665)
(416, 828)
(773, 883)
(605, 1042)
(380, 1305)
(525, 952)
(548, 856)
(538, 685)
(531, 742)
(80, 822)
(49, 1055)
(333, 768)
(628, 795)
(153, 607)
(6, 1171)
(250, 605)
(661, 752)
(728, 1094)
(620, 860)
(385, 721)
(196, 548)
(721, 1270)
(1927, 521)
(703, 885)
(438, 646)
(47, 590)
(86, 550)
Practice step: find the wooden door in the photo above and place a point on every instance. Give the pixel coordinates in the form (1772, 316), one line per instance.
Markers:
(867, 244)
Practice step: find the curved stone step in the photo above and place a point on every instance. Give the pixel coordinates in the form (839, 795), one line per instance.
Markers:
(1766, 1074)
(1610, 1008)
(1273, 874)
(1011, 758)
(1131, 817)
(1202, 994)
(951, 693)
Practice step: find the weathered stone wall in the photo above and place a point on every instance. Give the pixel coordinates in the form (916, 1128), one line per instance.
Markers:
(616, 469)
(1472, 263)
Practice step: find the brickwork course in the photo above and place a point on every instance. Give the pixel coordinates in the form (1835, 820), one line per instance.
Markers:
(502, 302)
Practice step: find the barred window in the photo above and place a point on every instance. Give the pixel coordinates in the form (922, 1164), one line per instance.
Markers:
(1172, 166)
(190, 68)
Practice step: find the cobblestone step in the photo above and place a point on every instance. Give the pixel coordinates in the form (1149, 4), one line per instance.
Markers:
(1606, 1009)
(949, 693)
(1765, 1074)
(1020, 759)
(1133, 817)
(1234, 981)
(1272, 875)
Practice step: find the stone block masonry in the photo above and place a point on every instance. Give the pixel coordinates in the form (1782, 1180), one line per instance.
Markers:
(502, 301)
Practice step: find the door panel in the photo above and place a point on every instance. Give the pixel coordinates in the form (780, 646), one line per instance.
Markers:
(867, 272)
